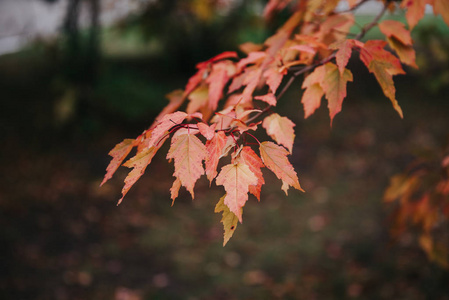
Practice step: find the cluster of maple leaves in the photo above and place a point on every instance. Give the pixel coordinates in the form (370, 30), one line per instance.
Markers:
(229, 97)
(422, 199)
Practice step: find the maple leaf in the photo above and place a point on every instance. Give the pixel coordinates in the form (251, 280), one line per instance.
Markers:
(221, 56)
(253, 161)
(380, 71)
(207, 131)
(334, 87)
(269, 98)
(274, 78)
(415, 11)
(198, 99)
(374, 50)
(217, 81)
(383, 65)
(400, 40)
(275, 158)
(255, 57)
(280, 129)
(214, 148)
(119, 153)
(406, 53)
(229, 220)
(161, 128)
(188, 153)
(397, 29)
(236, 179)
(139, 163)
(441, 7)
(195, 80)
(174, 190)
(343, 54)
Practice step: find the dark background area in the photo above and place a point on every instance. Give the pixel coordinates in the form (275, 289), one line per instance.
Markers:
(66, 103)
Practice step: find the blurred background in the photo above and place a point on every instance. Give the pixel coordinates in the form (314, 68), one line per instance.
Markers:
(79, 76)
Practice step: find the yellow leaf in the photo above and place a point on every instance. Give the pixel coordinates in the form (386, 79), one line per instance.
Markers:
(229, 220)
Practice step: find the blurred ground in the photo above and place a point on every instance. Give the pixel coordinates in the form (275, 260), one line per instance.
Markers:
(63, 237)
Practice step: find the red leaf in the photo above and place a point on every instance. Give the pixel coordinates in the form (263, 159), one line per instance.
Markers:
(253, 161)
(214, 148)
(221, 56)
(194, 81)
(162, 126)
(217, 81)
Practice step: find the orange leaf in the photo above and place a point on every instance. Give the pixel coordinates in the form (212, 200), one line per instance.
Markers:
(174, 190)
(442, 7)
(396, 29)
(253, 161)
(275, 158)
(415, 11)
(139, 164)
(236, 179)
(343, 54)
(311, 99)
(162, 126)
(119, 153)
(188, 152)
(406, 53)
(334, 87)
(214, 148)
(374, 50)
(280, 129)
(380, 71)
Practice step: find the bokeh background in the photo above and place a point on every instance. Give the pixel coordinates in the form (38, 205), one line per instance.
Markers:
(78, 76)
